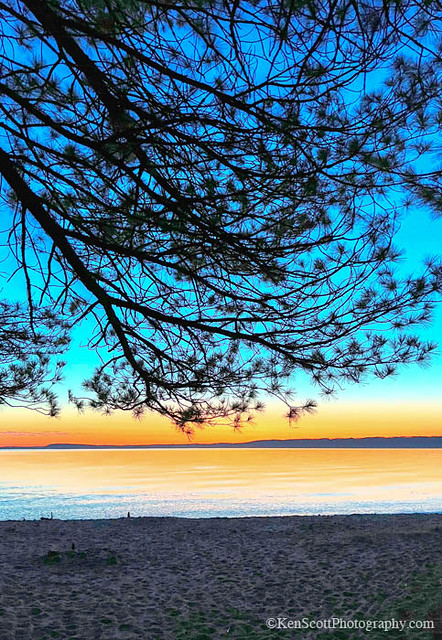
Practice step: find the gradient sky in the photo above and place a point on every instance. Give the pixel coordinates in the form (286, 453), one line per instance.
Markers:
(408, 404)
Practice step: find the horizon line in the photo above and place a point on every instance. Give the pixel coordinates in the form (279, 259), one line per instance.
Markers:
(273, 441)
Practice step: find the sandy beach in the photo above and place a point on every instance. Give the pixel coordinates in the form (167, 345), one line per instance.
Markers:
(169, 578)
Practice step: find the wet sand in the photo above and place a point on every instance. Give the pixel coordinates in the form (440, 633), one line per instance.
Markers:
(170, 578)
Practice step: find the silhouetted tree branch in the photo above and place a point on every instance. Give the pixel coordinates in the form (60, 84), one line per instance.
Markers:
(26, 349)
(219, 184)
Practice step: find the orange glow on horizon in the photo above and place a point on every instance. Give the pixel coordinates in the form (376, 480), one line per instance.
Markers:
(334, 420)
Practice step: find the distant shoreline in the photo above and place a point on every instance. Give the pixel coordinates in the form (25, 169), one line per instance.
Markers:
(403, 442)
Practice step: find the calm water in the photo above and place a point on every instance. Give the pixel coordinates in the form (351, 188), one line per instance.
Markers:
(220, 482)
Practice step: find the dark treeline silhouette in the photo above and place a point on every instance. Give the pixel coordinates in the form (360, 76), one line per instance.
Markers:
(406, 442)
(218, 185)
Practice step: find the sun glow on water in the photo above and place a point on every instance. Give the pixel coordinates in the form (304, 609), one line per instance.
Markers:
(196, 482)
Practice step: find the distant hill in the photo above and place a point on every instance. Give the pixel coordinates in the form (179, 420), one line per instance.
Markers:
(413, 442)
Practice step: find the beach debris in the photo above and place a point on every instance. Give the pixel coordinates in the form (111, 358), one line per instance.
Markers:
(52, 557)
(111, 560)
(91, 557)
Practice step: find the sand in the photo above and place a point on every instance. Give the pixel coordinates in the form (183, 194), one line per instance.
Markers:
(176, 578)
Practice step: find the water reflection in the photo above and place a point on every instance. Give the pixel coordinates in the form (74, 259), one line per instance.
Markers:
(218, 482)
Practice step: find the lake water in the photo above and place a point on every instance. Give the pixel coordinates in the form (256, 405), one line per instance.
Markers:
(218, 482)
